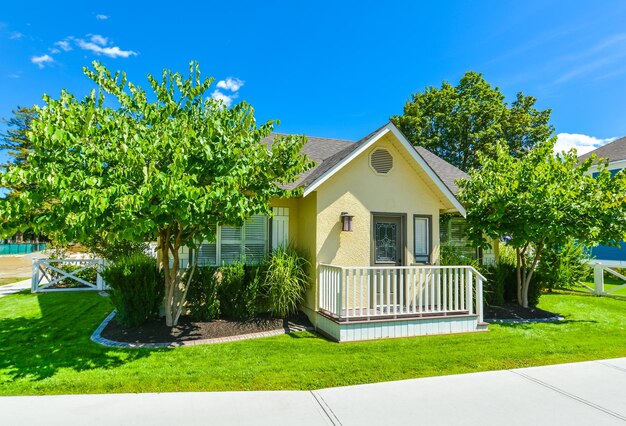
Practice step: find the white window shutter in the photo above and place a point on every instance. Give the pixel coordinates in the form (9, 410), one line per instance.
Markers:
(280, 227)
(230, 244)
(255, 236)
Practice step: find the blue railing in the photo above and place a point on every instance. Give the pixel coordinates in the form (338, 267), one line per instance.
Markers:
(22, 248)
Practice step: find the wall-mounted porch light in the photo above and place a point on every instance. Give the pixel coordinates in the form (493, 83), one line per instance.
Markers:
(346, 221)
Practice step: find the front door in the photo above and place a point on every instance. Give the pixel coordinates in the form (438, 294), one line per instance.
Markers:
(388, 241)
(387, 250)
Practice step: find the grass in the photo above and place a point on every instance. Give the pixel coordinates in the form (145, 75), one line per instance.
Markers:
(10, 280)
(45, 349)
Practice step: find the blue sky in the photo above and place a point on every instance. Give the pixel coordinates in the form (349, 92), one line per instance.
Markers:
(336, 69)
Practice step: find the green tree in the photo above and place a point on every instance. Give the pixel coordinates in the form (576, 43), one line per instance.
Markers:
(457, 122)
(166, 165)
(542, 200)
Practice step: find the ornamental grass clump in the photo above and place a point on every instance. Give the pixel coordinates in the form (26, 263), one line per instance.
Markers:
(285, 281)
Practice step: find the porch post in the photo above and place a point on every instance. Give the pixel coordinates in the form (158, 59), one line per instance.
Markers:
(469, 293)
(479, 298)
(340, 294)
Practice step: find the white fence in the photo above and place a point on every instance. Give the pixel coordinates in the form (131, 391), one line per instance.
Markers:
(67, 275)
(372, 292)
(598, 278)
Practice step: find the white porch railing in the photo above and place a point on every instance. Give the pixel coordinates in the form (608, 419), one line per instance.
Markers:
(49, 275)
(362, 293)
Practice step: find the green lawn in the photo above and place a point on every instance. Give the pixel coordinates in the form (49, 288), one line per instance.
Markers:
(45, 349)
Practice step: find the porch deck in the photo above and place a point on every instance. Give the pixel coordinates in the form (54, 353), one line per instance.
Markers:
(360, 303)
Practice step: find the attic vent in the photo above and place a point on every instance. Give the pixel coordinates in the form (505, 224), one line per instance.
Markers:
(381, 161)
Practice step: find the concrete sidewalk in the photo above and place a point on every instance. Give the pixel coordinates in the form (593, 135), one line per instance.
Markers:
(586, 393)
(14, 287)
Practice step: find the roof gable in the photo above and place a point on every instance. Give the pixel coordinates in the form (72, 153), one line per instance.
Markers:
(613, 151)
(436, 168)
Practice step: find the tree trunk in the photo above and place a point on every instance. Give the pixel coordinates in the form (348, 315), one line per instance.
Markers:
(172, 300)
(519, 275)
(528, 275)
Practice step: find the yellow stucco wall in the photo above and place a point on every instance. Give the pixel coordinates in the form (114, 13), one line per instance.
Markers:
(359, 190)
(315, 225)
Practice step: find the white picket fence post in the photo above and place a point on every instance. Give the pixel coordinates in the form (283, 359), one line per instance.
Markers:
(34, 281)
(598, 279)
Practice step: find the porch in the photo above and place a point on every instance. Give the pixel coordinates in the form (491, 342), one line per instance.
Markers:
(362, 303)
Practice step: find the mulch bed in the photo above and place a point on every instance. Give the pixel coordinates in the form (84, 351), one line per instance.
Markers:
(512, 311)
(157, 332)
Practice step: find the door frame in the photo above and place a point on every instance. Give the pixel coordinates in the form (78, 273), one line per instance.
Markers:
(403, 235)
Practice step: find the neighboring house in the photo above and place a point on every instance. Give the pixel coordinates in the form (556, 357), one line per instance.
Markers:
(615, 153)
(369, 220)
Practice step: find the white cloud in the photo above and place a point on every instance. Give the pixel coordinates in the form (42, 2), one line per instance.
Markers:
(64, 45)
(98, 39)
(228, 100)
(16, 35)
(54, 50)
(111, 51)
(42, 61)
(582, 143)
(232, 84)
(15, 75)
(101, 17)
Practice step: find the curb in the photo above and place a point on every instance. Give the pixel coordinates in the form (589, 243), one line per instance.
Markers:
(96, 337)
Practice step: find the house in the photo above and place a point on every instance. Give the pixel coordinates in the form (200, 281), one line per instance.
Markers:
(369, 219)
(605, 258)
(615, 153)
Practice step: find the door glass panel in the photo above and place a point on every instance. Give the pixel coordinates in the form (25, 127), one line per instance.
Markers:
(386, 239)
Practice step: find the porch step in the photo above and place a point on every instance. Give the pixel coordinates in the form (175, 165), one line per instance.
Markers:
(482, 326)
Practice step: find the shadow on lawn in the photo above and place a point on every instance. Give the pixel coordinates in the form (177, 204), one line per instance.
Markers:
(36, 348)
(528, 325)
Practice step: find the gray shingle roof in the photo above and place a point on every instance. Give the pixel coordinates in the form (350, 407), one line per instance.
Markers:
(328, 152)
(446, 171)
(613, 151)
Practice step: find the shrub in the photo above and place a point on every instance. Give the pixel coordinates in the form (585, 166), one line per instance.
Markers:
(563, 267)
(497, 276)
(202, 298)
(451, 254)
(285, 280)
(501, 284)
(136, 289)
(238, 291)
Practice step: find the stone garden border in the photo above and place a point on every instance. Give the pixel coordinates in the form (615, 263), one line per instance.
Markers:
(97, 337)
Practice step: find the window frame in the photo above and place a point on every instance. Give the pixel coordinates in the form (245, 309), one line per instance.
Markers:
(429, 237)
(242, 244)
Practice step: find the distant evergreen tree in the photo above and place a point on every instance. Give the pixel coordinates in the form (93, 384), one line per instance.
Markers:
(15, 140)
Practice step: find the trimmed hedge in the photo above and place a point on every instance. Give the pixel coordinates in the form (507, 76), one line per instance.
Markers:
(137, 289)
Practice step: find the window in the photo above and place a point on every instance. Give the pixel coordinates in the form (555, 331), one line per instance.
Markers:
(247, 242)
(452, 233)
(422, 241)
